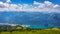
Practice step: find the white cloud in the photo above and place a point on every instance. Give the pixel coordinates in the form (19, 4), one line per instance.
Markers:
(36, 3)
(46, 7)
(1, 2)
(56, 6)
(8, 1)
(41, 6)
(48, 3)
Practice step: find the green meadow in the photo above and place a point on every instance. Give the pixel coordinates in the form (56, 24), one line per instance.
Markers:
(33, 31)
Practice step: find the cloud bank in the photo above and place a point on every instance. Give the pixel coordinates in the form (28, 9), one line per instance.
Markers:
(37, 6)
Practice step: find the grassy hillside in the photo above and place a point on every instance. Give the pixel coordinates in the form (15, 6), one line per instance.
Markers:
(34, 31)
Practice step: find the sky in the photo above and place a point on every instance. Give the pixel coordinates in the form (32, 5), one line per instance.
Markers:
(30, 5)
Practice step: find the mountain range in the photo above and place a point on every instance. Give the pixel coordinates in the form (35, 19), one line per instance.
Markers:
(31, 18)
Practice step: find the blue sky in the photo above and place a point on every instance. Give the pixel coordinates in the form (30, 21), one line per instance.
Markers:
(30, 5)
(31, 1)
